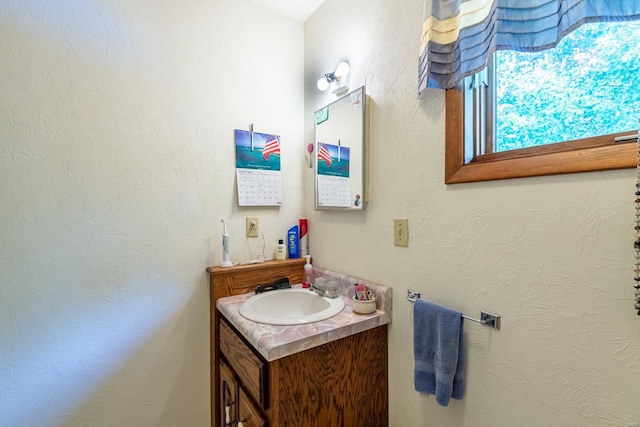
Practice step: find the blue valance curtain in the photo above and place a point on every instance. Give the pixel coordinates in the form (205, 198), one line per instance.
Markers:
(459, 35)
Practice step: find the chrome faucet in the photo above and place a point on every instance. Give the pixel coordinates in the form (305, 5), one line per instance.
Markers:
(329, 290)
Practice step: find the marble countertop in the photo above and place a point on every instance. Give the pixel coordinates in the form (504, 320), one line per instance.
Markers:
(274, 342)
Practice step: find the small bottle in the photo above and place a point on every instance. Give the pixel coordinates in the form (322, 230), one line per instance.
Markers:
(281, 250)
(308, 271)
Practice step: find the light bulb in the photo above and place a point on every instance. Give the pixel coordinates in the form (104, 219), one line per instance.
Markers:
(342, 70)
(322, 84)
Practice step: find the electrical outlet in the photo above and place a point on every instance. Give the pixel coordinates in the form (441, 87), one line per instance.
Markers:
(252, 226)
(401, 232)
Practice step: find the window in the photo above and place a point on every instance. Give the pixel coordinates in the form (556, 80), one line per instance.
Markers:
(552, 112)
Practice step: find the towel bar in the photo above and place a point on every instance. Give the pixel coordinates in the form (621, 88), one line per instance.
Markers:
(486, 319)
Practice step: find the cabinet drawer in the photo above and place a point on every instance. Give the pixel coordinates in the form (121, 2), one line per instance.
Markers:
(251, 370)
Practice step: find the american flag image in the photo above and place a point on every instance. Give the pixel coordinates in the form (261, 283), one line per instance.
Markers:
(323, 154)
(270, 147)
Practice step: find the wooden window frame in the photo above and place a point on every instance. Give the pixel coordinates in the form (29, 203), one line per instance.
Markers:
(584, 155)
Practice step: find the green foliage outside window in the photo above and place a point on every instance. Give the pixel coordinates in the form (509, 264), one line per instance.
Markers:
(588, 85)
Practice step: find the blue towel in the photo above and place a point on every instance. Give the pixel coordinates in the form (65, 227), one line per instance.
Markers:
(438, 351)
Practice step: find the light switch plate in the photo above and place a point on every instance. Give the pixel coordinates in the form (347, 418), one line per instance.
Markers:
(401, 232)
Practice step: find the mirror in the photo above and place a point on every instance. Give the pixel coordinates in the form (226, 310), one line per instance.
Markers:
(341, 165)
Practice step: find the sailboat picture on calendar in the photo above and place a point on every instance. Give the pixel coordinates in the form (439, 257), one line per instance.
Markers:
(256, 150)
(333, 160)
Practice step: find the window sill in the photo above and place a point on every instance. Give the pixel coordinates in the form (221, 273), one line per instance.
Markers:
(586, 160)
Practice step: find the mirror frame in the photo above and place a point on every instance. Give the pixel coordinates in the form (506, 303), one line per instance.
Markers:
(358, 153)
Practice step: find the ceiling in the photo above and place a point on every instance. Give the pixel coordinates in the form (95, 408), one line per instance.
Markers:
(299, 10)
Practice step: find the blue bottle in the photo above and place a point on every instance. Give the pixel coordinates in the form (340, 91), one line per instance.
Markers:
(292, 242)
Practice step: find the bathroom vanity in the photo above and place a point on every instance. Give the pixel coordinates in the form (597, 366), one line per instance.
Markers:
(328, 373)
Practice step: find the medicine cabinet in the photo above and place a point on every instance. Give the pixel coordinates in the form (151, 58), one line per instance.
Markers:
(341, 160)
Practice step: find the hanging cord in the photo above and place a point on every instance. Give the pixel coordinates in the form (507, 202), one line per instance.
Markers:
(262, 256)
(636, 243)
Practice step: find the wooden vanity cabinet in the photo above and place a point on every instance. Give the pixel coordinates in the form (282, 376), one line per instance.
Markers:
(343, 383)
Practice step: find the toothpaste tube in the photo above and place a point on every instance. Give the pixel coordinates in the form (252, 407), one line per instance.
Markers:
(304, 239)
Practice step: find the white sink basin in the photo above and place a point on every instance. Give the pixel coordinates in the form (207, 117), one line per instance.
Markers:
(290, 307)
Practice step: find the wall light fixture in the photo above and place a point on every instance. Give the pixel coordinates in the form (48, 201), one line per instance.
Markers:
(337, 80)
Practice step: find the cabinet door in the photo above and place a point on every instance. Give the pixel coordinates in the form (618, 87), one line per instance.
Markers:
(249, 414)
(228, 396)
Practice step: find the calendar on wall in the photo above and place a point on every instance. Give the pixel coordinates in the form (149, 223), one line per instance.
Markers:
(258, 169)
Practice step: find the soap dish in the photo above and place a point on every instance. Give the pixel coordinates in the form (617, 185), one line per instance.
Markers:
(363, 307)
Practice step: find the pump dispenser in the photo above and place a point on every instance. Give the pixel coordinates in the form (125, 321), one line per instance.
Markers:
(308, 271)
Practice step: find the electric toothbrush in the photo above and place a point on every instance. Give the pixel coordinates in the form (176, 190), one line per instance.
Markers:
(225, 246)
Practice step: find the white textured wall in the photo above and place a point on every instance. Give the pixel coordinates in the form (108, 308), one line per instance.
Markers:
(552, 255)
(116, 166)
